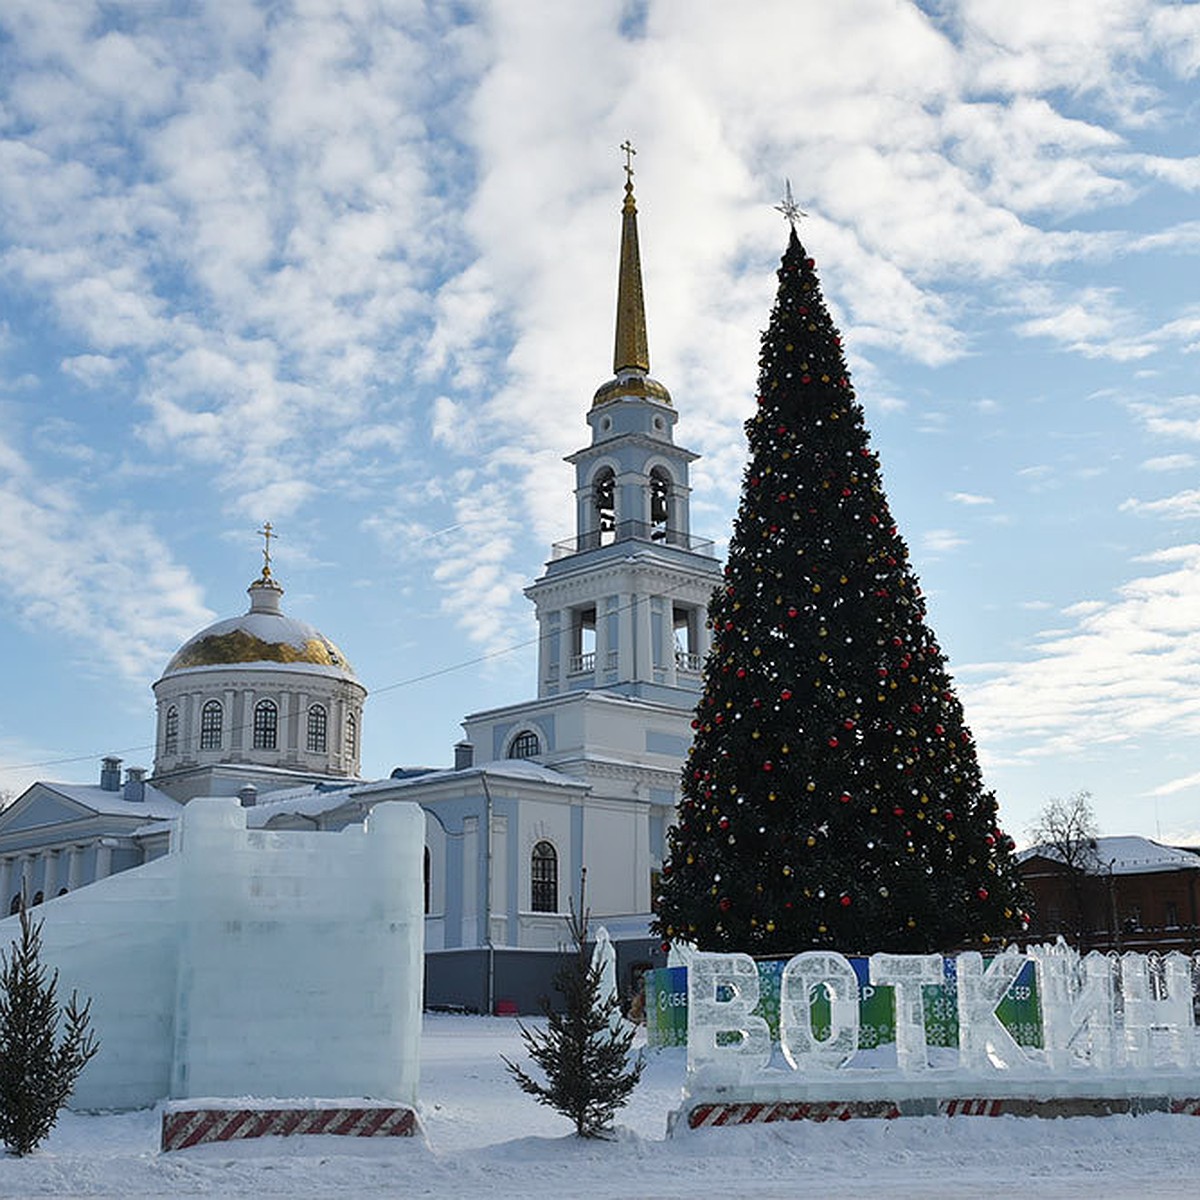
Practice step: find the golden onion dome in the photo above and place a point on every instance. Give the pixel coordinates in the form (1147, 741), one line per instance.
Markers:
(264, 636)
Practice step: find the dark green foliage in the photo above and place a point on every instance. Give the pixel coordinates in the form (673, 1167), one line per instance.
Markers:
(833, 797)
(584, 1052)
(36, 1076)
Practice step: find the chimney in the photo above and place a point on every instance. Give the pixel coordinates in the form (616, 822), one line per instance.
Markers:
(135, 784)
(464, 756)
(110, 774)
(248, 795)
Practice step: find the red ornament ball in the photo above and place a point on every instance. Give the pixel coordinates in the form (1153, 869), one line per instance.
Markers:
(845, 901)
(982, 893)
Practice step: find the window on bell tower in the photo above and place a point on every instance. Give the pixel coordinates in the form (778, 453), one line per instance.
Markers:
(604, 497)
(660, 504)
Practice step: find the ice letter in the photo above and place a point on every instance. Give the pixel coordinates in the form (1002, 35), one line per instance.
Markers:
(1144, 1011)
(1076, 998)
(722, 1034)
(907, 975)
(801, 977)
(982, 1039)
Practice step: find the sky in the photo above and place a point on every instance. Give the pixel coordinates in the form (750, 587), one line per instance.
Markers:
(350, 267)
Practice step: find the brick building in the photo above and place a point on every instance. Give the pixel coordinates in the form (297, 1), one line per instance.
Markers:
(1132, 894)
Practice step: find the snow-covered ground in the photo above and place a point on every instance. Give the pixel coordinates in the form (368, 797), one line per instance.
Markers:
(484, 1137)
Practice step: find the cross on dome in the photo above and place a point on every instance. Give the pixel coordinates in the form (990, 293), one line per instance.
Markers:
(267, 532)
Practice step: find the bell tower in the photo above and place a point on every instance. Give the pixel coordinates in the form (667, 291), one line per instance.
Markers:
(621, 606)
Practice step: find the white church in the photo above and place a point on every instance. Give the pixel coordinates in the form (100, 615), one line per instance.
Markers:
(266, 708)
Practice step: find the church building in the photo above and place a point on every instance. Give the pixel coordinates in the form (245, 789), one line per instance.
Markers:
(583, 777)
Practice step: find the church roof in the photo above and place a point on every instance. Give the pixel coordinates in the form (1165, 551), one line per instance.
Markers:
(155, 804)
(264, 636)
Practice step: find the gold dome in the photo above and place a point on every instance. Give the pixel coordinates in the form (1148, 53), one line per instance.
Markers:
(263, 636)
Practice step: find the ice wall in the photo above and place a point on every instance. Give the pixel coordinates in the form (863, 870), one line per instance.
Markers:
(300, 957)
(250, 963)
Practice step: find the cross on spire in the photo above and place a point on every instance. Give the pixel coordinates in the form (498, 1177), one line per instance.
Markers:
(627, 146)
(789, 207)
(267, 532)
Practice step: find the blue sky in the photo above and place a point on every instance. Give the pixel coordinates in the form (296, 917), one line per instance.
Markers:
(350, 267)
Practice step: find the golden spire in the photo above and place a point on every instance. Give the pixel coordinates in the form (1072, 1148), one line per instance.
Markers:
(631, 352)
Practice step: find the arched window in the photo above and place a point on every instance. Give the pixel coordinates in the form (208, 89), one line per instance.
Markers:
(525, 745)
(171, 731)
(604, 497)
(660, 504)
(427, 879)
(38, 897)
(544, 877)
(211, 720)
(318, 723)
(266, 725)
(14, 905)
(62, 891)
(351, 739)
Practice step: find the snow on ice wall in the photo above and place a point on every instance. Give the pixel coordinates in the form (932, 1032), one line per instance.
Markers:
(251, 963)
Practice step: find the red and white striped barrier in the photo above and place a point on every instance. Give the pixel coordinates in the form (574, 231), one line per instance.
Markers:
(704, 1116)
(186, 1127)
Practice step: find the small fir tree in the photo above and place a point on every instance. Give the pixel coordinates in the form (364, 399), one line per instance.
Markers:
(584, 1050)
(36, 1076)
(832, 797)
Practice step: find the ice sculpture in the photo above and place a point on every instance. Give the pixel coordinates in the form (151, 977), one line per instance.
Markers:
(1169, 1014)
(907, 975)
(1076, 998)
(724, 1038)
(983, 1041)
(802, 976)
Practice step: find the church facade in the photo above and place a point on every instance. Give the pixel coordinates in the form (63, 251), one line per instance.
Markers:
(582, 777)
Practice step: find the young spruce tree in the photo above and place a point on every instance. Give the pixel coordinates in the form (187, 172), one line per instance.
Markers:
(832, 798)
(584, 1051)
(36, 1076)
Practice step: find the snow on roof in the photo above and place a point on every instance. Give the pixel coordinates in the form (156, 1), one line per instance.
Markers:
(1126, 855)
(314, 800)
(93, 796)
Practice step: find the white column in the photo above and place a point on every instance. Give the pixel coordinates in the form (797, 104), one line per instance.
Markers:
(74, 867)
(645, 643)
(626, 667)
(50, 874)
(103, 861)
(6, 871)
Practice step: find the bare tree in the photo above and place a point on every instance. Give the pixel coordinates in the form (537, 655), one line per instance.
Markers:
(1065, 832)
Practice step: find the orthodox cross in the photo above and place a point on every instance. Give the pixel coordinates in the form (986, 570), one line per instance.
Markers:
(789, 207)
(268, 533)
(627, 146)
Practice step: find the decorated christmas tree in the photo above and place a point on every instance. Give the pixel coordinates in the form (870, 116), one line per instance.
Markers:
(832, 797)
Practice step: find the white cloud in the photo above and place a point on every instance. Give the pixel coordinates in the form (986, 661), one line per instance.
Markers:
(970, 499)
(1125, 668)
(1180, 507)
(941, 541)
(105, 580)
(1169, 462)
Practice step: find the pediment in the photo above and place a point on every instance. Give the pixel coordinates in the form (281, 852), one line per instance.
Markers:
(42, 807)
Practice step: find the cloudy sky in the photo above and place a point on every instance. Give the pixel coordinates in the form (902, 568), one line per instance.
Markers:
(349, 266)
